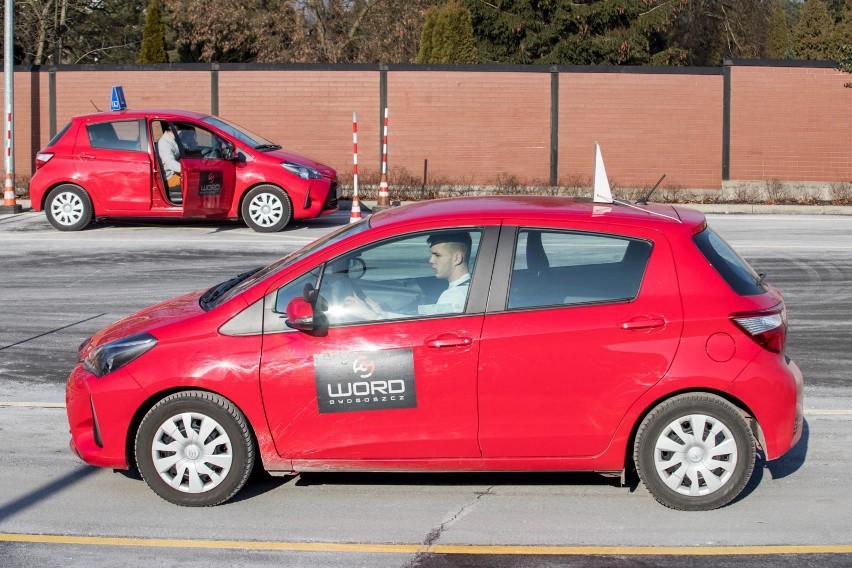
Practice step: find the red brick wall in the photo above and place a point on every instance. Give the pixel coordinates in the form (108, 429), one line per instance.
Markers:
(471, 126)
(647, 125)
(308, 112)
(787, 123)
(790, 124)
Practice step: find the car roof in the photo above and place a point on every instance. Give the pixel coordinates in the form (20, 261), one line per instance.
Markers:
(129, 113)
(540, 208)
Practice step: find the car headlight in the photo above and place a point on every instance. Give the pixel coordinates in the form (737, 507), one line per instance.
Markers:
(116, 354)
(303, 172)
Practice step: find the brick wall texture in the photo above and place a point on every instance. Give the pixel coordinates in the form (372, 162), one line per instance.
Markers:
(477, 127)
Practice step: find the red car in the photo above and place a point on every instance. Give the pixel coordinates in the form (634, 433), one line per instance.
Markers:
(468, 334)
(108, 165)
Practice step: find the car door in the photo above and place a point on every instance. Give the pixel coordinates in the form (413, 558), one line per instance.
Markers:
(208, 174)
(113, 164)
(398, 387)
(586, 322)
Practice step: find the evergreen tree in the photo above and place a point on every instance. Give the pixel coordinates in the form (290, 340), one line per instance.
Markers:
(778, 38)
(595, 32)
(813, 36)
(427, 36)
(153, 36)
(843, 28)
(447, 35)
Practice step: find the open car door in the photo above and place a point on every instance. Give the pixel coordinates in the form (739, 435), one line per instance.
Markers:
(209, 172)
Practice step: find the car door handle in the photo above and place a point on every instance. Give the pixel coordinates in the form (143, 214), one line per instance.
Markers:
(449, 340)
(643, 323)
(86, 156)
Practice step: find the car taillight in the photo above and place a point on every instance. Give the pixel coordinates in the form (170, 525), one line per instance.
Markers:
(767, 327)
(42, 158)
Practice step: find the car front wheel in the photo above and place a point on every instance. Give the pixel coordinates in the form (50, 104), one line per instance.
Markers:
(195, 448)
(694, 452)
(69, 208)
(266, 209)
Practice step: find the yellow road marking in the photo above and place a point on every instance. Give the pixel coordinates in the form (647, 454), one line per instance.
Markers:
(434, 549)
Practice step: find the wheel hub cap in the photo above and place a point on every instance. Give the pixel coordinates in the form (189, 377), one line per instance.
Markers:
(192, 452)
(695, 455)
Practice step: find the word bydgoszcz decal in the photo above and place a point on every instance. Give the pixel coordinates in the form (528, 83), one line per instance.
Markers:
(209, 183)
(365, 380)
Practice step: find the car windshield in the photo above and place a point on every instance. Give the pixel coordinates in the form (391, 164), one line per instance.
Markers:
(246, 137)
(228, 289)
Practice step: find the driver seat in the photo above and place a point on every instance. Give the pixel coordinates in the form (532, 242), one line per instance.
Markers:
(173, 194)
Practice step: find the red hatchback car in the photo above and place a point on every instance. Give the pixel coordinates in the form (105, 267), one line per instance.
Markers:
(468, 334)
(108, 165)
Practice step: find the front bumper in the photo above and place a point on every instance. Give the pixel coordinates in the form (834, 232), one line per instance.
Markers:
(100, 413)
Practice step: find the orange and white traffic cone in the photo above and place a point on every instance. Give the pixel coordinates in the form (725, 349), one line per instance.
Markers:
(355, 214)
(10, 205)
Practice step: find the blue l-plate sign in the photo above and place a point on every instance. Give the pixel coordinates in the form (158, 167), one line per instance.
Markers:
(117, 102)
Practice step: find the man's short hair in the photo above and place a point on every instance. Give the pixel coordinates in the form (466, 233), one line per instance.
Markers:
(460, 237)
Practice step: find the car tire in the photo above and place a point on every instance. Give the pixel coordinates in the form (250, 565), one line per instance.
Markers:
(69, 208)
(188, 471)
(266, 209)
(692, 472)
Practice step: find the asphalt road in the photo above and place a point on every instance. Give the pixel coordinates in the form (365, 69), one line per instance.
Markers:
(58, 288)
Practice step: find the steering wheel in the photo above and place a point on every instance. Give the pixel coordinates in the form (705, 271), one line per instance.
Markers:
(209, 153)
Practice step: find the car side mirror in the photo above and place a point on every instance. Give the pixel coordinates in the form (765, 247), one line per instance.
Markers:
(300, 315)
(229, 152)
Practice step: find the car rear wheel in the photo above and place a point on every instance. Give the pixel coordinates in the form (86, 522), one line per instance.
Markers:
(195, 449)
(266, 209)
(694, 452)
(69, 208)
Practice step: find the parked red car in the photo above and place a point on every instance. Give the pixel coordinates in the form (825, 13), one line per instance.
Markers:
(107, 165)
(468, 334)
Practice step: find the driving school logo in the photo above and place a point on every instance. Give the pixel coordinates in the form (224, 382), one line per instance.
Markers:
(374, 380)
(209, 183)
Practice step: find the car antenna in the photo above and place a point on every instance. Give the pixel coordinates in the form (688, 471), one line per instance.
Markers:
(94, 105)
(644, 200)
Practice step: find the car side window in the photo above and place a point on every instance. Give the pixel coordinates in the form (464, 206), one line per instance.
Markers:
(197, 142)
(557, 268)
(129, 135)
(422, 275)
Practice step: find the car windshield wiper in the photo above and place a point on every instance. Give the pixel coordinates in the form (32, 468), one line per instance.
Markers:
(216, 291)
(268, 146)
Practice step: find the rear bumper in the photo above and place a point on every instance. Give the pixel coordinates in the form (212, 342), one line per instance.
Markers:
(773, 388)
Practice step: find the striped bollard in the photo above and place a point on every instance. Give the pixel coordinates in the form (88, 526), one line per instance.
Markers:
(355, 213)
(384, 195)
(10, 204)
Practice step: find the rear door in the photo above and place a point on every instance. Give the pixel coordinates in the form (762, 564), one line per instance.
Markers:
(586, 321)
(113, 164)
(208, 180)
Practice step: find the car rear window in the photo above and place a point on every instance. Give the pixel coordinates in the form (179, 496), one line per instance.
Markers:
(59, 135)
(731, 267)
(566, 268)
(120, 135)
